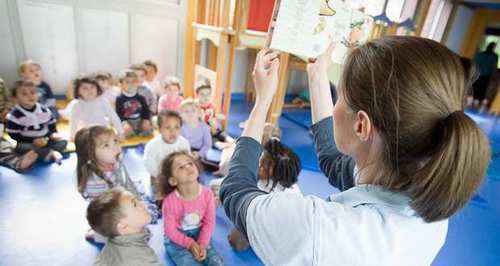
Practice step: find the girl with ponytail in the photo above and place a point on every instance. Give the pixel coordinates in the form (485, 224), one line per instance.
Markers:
(397, 144)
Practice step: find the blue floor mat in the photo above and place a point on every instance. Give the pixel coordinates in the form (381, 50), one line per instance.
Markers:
(42, 218)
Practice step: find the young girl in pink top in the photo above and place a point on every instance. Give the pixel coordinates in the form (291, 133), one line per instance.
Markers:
(171, 99)
(188, 212)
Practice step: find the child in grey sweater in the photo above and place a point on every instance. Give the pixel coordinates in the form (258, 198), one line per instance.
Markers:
(122, 217)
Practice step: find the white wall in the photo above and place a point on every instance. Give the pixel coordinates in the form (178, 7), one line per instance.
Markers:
(459, 27)
(69, 37)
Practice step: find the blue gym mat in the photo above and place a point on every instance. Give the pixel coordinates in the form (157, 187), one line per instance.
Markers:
(42, 219)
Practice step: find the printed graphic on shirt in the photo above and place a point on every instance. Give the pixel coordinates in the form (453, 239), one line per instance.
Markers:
(191, 221)
(132, 109)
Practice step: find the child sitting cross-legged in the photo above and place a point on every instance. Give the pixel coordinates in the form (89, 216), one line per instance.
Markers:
(188, 212)
(132, 108)
(122, 218)
(91, 108)
(32, 125)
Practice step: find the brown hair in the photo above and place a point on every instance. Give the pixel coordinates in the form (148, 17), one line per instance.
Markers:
(78, 82)
(282, 163)
(86, 166)
(167, 170)
(164, 114)
(104, 212)
(151, 64)
(172, 81)
(203, 84)
(126, 73)
(413, 91)
(19, 84)
(136, 67)
(103, 75)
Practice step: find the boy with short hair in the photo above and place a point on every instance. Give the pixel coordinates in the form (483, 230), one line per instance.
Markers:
(152, 78)
(32, 125)
(30, 70)
(144, 89)
(122, 218)
(132, 108)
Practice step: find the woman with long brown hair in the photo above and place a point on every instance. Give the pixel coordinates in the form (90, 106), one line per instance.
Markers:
(396, 143)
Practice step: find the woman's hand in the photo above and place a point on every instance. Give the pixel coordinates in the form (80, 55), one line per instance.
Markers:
(265, 75)
(319, 85)
(319, 66)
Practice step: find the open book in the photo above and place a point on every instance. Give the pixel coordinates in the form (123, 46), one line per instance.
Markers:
(304, 27)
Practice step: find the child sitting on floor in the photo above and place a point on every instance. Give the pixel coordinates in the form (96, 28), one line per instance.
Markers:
(132, 107)
(168, 141)
(99, 167)
(210, 117)
(109, 92)
(171, 99)
(29, 70)
(122, 218)
(32, 125)
(279, 168)
(144, 89)
(188, 212)
(91, 108)
(194, 130)
(8, 157)
(152, 78)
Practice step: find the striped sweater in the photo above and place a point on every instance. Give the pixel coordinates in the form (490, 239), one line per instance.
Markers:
(25, 125)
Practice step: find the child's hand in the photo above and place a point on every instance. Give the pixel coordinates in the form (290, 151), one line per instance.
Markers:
(146, 125)
(127, 129)
(265, 74)
(196, 155)
(203, 253)
(55, 137)
(220, 117)
(195, 250)
(40, 142)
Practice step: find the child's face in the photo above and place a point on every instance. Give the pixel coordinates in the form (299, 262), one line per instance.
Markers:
(190, 113)
(27, 97)
(170, 129)
(172, 90)
(204, 96)
(150, 73)
(33, 73)
(184, 171)
(87, 91)
(108, 149)
(104, 83)
(129, 84)
(136, 215)
(140, 75)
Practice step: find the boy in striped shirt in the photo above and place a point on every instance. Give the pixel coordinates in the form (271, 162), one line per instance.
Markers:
(32, 125)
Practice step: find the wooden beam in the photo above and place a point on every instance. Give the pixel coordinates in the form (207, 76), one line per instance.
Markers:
(279, 99)
(189, 49)
(423, 9)
(219, 81)
(229, 78)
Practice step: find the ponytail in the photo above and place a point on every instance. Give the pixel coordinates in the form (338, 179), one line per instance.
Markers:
(453, 173)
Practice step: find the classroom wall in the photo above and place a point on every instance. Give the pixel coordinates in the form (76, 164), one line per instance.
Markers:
(69, 37)
(459, 26)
